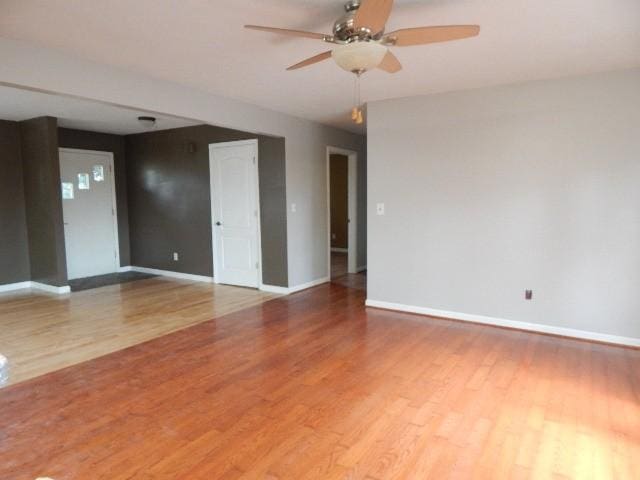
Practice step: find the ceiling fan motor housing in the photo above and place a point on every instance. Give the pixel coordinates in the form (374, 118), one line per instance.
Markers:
(344, 29)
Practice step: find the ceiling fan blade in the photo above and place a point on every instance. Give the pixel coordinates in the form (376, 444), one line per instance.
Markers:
(373, 14)
(422, 35)
(390, 63)
(310, 61)
(292, 33)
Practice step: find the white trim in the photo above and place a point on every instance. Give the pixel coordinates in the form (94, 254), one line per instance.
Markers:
(361, 268)
(128, 268)
(500, 322)
(339, 250)
(352, 207)
(313, 283)
(10, 287)
(253, 142)
(297, 288)
(35, 286)
(114, 202)
(275, 289)
(50, 288)
(167, 273)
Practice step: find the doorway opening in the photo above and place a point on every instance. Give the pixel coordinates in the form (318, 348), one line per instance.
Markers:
(342, 221)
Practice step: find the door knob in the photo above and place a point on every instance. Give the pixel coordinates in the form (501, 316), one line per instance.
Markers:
(218, 224)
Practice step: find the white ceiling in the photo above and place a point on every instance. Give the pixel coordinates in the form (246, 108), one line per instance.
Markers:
(16, 105)
(202, 43)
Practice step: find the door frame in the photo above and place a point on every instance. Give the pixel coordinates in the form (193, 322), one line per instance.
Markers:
(352, 207)
(114, 202)
(214, 235)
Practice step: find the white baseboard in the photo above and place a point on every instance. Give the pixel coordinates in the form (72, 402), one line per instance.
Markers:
(167, 273)
(313, 283)
(200, 278)
(50, 288)
(15, 286)
(275, 289)
(297, 288)
(361, 269)
(36, 286)
(500, 322)
(339, 250)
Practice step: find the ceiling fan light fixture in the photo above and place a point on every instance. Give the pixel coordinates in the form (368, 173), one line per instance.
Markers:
(358, 57)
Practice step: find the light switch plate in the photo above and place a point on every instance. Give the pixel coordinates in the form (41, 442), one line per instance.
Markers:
(380, 209)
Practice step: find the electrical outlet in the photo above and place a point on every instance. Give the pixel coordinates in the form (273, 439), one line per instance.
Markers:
(294, 207)
(176, 257)
(528, 294)
(380, 209)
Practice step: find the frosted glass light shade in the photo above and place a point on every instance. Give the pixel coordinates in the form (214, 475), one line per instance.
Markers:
(359, 56)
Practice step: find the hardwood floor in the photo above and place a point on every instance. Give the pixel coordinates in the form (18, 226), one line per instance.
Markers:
(41, 333)
(316, 386)
(339, 264)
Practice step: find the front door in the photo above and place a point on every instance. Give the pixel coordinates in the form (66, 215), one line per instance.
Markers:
(88, 204)
(234, 197)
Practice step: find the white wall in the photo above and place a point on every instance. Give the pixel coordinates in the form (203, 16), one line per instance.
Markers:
(490, 192)
(33, 67)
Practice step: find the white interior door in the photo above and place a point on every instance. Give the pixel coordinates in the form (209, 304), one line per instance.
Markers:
(235, 210)
(88, 204)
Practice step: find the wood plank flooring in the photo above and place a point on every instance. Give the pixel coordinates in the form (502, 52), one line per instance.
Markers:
(41, 333)
(316, 386)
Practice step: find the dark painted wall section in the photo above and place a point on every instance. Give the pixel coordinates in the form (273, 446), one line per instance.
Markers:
(170, 203)
(273, 211)
(43, 205)
(339, 201)
(14, 247)
(115, 144)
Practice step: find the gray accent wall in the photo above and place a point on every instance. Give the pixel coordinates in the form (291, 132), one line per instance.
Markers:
(491, 192)
(170, 203)
(104, 142)
(14, 246)
(43, 205)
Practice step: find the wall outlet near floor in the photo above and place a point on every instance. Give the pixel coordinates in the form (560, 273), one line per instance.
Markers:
(176, 257)
(294, 207)
(528, 294)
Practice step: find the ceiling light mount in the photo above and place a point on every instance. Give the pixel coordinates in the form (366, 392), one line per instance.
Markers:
(147, 121)
(352, 5)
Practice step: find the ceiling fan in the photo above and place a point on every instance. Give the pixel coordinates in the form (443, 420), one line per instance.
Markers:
(361, 43)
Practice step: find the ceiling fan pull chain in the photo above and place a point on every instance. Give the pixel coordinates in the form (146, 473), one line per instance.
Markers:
(356, 113)
(356, 99)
